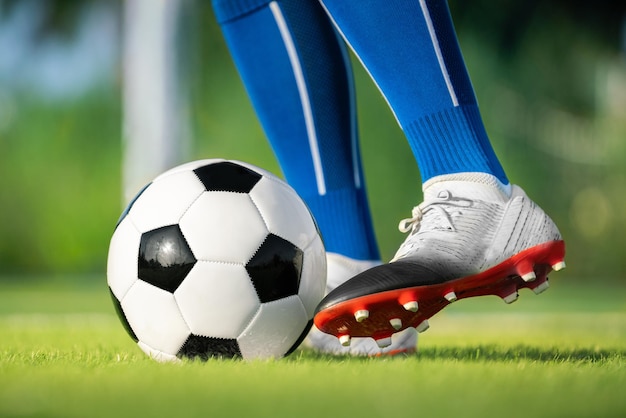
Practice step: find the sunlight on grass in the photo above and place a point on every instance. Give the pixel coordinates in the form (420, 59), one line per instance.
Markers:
(64, 353)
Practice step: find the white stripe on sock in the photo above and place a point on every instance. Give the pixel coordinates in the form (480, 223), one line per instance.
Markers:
(304, 96)
(435, 41)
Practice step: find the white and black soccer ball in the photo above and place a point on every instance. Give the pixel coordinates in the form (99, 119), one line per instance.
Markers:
(216, 258)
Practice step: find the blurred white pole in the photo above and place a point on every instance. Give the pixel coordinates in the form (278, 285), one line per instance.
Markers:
(155, 111)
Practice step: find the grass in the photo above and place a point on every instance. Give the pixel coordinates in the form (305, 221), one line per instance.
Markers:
(63, 353)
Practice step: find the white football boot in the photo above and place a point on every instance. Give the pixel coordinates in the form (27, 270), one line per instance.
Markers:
(340, 269)
(471, 236)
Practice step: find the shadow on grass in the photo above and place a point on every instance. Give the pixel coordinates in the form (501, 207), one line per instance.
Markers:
(494, 353)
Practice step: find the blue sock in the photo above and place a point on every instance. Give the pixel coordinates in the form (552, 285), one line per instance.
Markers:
(296, 72)
(411, 50)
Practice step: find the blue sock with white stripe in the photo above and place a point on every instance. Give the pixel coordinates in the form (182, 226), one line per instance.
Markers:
(411, 50)
(297, 74)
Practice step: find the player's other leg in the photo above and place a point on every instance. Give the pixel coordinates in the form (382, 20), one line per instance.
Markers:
(474, 234)
(296, 71)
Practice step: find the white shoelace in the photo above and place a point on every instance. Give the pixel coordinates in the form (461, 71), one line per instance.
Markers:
(412, 223)
(442, 204)
(445, 197)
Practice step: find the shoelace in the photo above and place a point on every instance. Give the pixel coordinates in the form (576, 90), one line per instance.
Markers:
(412, 223)
(444, 197)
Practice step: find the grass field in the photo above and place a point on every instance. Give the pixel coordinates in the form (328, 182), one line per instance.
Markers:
(63, 353)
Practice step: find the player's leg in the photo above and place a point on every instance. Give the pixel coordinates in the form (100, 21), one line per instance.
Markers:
(297, 73)
(474, 233)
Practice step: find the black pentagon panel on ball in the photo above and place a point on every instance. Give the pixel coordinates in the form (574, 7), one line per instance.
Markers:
(227, 177)
(165, 258)
(275, 269)
(130, 205)
(122, 316)
(204, 348)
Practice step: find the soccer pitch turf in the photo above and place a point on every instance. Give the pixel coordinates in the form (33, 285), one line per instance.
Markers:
(63, 353)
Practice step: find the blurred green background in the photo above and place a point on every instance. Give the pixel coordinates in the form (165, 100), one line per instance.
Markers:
(550, 78)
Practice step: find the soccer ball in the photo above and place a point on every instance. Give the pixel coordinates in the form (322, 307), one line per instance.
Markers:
(216, 258)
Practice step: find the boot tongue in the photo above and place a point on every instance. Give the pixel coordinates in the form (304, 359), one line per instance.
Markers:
(478, 186)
